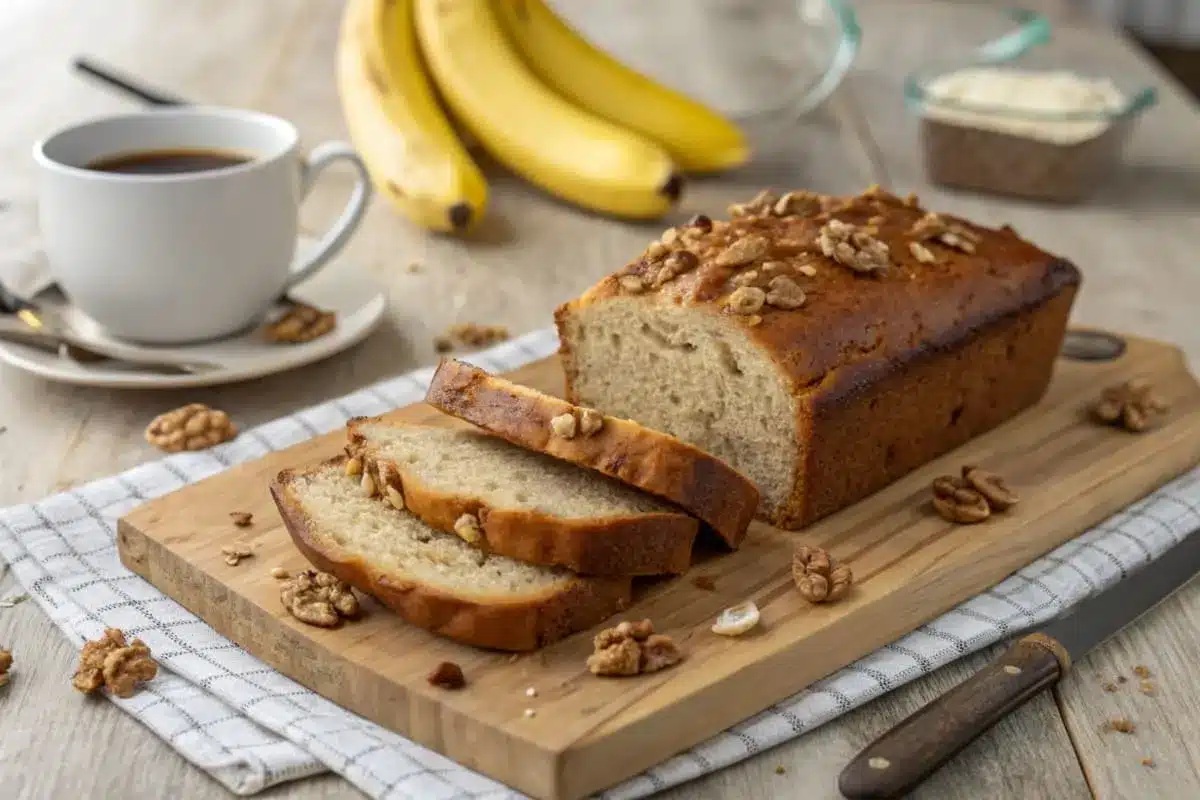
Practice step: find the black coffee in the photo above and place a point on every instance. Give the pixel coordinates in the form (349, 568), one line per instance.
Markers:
(167, 162)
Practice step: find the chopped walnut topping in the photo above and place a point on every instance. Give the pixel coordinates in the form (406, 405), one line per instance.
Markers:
(6, 661)
(301, 323)
(242, 519)
(746, 300)
(771, 266)
(1120, 725)
(631, 284)
(957, 501)
(936, 227)
(192, 427)
(318, 598)
(754, 320)
(469, 334)
(112, 663)
(1132, 405)
(784, 293)
(447, 675)
(669, 236)
(745, 250)
(922, 253)
(798, 203)
(234, 553)
(468, 529)
(701, 223)
(852, 248)
(564, 425)
(674, 265)
(911, 200)
(761, 203)
(748, 277)
(656, 250)
(590, 421)
(818, 577)
(993, 488)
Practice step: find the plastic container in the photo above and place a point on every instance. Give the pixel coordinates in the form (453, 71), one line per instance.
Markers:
(1017, 148)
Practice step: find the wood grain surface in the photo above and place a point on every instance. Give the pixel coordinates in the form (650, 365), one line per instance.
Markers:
(1136, 244)
(909, 564)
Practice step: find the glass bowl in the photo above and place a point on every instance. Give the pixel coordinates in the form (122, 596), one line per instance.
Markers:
(1018, 148)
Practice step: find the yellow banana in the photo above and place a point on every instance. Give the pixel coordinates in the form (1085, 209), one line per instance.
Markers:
(699, 139)
(394, 119)
(563, 149)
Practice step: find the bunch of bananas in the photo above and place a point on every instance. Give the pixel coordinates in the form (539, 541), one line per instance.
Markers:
(537, 96)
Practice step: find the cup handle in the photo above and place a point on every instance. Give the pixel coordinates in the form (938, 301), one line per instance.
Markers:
(336, 237)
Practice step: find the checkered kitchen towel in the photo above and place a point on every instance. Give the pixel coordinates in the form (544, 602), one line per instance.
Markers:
(251, 727)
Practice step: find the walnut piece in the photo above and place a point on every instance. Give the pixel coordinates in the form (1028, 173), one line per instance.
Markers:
(746, 300)
(676, 264)
(590, 421)
(469, 334)
(112, 663)
(807, 270)
(234, 553)
(632, 648)
(243, 519)
(6, 661)
(853, 248)
(447, 675)
(935, 227)
(783, 292)
(1131, 405)
(818, 578)
(745, 250)
(564, 425)
(301, 323)
(318, 598)
(1120, 725)
(760, 204)
(957, 501)
(993, 488)
(192, 427)
(797, 204)
(922, 253)
(631, 284)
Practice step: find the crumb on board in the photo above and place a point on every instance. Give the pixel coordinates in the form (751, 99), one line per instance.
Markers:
(414, 267)
(705, 583)
(779, 769)
(243, 519)
(529, 712)
(280, 574)
(1120, 725)
(1148, 762)
(1110, 687)
(1141, 671)
(1148, 688)
(1122, 679)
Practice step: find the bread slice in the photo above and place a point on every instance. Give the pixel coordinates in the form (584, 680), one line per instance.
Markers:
(654, 462)
(529, 506)
(432, 579)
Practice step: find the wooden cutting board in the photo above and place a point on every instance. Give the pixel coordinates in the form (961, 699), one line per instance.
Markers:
(590, 733)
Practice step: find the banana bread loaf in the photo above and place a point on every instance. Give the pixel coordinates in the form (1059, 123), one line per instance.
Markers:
(822, 346)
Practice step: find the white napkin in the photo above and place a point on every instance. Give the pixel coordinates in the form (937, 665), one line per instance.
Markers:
(250, 727)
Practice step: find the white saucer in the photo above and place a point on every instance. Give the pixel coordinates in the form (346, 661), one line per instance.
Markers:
(340, 287)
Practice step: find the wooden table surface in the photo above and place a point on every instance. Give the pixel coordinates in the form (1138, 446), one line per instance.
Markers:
(1136, 242)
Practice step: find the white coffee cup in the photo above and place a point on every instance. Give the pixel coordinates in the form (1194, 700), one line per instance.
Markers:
(185, 256)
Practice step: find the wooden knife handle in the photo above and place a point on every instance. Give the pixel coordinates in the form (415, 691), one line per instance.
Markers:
(908, 753)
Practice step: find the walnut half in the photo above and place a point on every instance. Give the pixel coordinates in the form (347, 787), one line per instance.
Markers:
(318, 598)
(112, 663)
(1132, 405)
(632, 648)
(819, 579)
(301, 323)
(192, 427)
(6, 661)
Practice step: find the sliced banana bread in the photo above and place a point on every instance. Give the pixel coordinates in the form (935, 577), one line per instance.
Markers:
(654, 462)
(522, 504)
(433, 579)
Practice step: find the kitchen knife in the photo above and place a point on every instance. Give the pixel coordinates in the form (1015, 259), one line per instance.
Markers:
(908, 753)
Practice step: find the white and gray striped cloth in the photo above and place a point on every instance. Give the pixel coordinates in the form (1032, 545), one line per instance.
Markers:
(250, 727)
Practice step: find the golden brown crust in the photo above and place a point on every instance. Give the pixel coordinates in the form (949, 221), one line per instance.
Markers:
(889, 369)
(654, 462)
(652, 543)
(501, 623)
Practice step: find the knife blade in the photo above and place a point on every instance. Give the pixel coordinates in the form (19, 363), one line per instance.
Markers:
(909, 752)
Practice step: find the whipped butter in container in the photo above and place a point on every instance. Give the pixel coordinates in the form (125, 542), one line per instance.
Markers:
(1047, 135)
